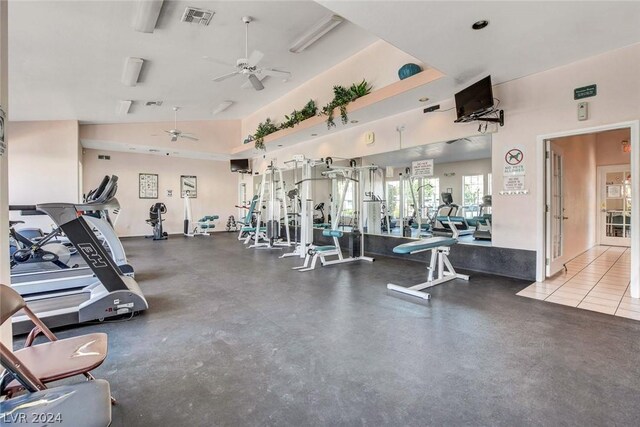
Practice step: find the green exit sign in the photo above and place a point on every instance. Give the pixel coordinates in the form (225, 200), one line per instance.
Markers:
(585, 92)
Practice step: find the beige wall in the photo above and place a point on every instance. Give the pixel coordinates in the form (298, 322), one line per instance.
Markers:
(217, 188)
(43, 162)
(580, 193)
(609, 148)
(43, 166)
(534, 105)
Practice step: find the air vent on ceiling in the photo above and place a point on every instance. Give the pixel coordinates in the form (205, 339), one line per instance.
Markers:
(103, 157)
(197, 16)
(153, 103)
(154, 150)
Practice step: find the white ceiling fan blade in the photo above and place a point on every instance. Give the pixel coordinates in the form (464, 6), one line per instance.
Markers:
(275, 73)
(189, 136)
(248, 85)
(255, 57)
(224, 76)
(255, 82)
(170, 132)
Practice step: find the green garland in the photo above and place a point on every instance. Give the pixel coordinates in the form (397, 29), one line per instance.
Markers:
(342, 96)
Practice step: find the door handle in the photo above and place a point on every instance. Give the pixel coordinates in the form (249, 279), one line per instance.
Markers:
(565, 217)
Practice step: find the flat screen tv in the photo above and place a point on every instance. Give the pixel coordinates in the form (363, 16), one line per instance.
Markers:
(474, 100)
(239, 165)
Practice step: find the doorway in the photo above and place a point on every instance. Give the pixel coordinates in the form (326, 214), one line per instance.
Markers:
(589, 242)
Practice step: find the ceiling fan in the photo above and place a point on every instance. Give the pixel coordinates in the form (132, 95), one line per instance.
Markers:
(175, 132)
(248, 66)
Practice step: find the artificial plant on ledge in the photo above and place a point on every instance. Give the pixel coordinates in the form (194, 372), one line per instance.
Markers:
(264, 128)
(342, 96)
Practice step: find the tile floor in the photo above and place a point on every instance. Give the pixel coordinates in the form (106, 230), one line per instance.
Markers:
(596, 280)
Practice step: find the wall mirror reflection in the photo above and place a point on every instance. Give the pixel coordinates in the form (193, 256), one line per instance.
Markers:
(456, 190)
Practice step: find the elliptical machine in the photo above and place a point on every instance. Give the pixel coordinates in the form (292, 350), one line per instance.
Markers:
(155, 220)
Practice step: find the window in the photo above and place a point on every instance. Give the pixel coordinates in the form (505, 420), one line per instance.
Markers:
(393, 198)
(430, 195)
(489, 183)
(472, 192)
(347, 207)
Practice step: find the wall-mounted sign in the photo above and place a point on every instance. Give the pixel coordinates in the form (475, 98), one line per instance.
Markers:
(614, 191)
(422, 168)
(514, 161)
(585, 92)
(148, 186)
(189, 186)
(514, 183)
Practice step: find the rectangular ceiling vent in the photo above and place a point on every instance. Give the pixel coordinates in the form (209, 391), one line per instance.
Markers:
(153, 103)
(103, 157)
(197, 16)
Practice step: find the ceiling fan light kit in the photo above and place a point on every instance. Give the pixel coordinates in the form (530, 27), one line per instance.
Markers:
(131, 71)
(146, 15)
(316, 33)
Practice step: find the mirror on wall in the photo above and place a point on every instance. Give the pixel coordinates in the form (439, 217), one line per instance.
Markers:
(414, 192)
(456, 187)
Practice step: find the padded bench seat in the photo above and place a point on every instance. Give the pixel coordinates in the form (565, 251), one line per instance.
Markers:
(424, 245)
(332, 233)
(324, 248)
(253, 229)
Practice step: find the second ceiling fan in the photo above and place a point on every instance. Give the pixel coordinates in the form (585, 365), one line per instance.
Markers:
(248, 66)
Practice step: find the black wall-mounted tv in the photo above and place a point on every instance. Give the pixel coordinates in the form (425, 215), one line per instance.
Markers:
(474, 100)
(238, 165)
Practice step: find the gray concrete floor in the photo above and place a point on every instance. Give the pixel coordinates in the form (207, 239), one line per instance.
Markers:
(234, 337)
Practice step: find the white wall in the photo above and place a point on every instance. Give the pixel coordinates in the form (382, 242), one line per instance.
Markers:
(217, 188)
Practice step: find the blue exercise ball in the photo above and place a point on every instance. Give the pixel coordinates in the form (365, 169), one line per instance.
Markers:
(408, 70)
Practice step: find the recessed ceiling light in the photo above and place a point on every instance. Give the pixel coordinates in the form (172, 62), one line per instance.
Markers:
(423, 99)
(478, 25)
(354, 121)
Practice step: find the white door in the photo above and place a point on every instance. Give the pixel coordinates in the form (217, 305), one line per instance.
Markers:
(555, 257)
(614, 186)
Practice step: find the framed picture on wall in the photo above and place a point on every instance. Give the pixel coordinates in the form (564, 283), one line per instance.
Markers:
(148, 186)
(188, 186)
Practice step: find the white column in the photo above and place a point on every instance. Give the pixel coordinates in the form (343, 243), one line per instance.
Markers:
(635, 210)
(5, 332)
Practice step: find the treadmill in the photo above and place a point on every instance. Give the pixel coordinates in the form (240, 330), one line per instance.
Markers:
(33, 282)
(111, 293)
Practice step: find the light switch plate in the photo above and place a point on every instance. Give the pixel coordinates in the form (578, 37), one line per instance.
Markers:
(583, 113)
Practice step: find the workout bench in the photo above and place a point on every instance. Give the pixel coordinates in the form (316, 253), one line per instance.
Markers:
(440, 268)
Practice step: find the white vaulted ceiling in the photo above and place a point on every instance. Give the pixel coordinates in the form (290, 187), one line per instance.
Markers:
(66, 58)
(523, 37)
